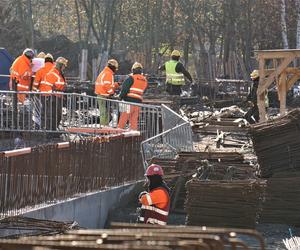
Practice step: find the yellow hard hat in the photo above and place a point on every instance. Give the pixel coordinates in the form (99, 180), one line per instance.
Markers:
(41, 55)
(175, 53)
(62, 60)
(137, 65)
(254, 74)
(49, 56)
(113, 62)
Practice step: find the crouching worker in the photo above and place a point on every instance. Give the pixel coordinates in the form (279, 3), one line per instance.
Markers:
(155, 203)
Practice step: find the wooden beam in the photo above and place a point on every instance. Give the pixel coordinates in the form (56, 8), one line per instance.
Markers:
(268, 81)
(282, 92)
(277, 54)
(292, 81)
(260, 102)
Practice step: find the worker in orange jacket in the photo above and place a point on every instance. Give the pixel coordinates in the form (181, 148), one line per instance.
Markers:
(55, 82)
(41, 73)
(156, 202)
(105, 87)
(133, 89)
(21, 73)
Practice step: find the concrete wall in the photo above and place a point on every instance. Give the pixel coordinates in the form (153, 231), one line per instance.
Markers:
(90, 210)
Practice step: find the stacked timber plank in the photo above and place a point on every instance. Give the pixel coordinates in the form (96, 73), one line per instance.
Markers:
(277, 144)
(141, 236)
(224, 203)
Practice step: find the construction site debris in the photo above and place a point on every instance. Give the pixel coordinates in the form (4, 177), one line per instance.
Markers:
(30, 227)
(141, 236)
(206, 165)
(234, 203)
(277, 144)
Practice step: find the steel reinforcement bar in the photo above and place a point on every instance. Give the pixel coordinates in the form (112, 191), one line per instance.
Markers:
(47, 173)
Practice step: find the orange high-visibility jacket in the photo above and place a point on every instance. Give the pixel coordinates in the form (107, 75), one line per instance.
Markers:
(155, 206)
(40, 75)
(53, 81)
(138, 87)
(104, 84)
(22, 72)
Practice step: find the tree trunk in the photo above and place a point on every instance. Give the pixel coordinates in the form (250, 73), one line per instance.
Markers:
(30, 22)
(298, 24)
(283, 25)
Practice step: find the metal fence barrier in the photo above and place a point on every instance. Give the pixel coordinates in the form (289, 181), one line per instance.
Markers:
(58, 112)
(48, 173)
(176, 136)
(168, 143)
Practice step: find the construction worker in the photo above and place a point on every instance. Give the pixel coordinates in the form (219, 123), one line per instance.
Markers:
(156, 202)
(175, 73)
(21, 73)
(105, 87)
(54, 81)
(252, 116)
(133, 89)
(41, 55)
(41, 73)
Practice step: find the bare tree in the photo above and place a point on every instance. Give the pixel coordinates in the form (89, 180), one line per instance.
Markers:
(283, 25)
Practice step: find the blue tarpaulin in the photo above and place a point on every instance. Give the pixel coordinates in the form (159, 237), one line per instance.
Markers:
(6, 61)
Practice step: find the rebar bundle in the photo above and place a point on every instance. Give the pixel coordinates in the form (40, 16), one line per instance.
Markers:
(141, 236)
(282, 202)
(51, 172)
(235, 203)
(277, 144)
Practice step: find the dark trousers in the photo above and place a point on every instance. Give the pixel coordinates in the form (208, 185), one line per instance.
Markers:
(173, 89)
(51, 112)
(252, 116)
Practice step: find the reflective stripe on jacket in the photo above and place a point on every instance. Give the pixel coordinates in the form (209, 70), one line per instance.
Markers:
(172, 76)
(138, 87)
(104, 84)
(41, 73)
(22, 72)
(155, 206)
(53, 81)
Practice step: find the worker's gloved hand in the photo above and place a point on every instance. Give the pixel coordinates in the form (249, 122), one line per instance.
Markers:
(142, 193)
(116, 97)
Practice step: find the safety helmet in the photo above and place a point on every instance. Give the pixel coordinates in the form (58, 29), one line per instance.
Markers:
(29, 53)
(254, 74)
(137, 65)
(154, 169)
(113, 62)
(62, 61)
(49, 56)
(175, 53)
(41, 55)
